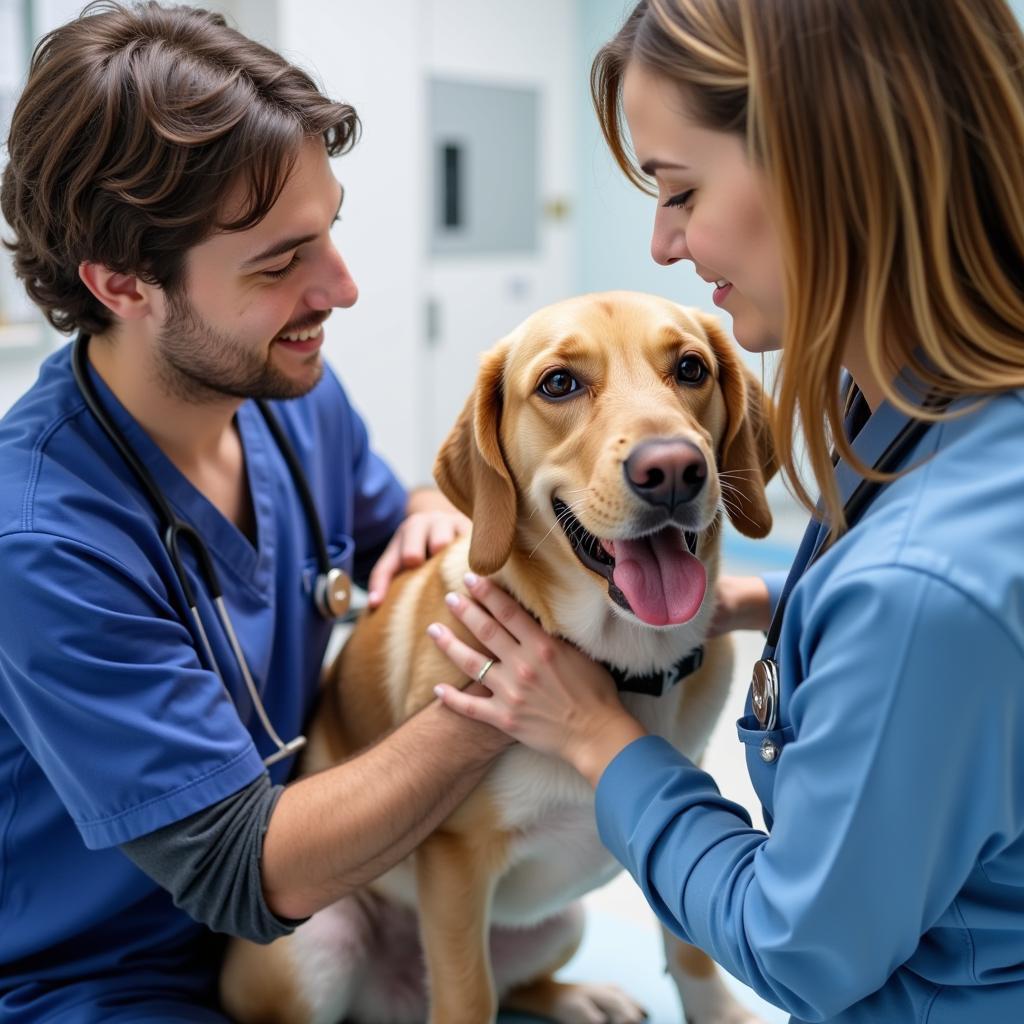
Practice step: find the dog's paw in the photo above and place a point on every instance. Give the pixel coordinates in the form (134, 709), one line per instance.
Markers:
(595, 1004)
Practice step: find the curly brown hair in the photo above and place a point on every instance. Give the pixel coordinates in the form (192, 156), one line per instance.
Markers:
(135, 123)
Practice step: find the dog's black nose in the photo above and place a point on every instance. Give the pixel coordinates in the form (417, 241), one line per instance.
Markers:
(666, 472)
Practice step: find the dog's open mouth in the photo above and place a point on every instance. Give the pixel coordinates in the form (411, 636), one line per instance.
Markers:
(657, 577)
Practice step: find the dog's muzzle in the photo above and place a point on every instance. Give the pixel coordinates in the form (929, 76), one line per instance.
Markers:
(655, 602)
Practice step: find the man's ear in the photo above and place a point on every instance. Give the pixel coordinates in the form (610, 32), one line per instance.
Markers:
(472, 473)
(747, 460)
(125, 295)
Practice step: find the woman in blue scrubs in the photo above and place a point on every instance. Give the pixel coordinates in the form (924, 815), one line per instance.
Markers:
(847, 176)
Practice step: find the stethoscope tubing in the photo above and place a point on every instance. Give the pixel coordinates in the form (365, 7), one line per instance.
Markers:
(175, 530)
(765, 696)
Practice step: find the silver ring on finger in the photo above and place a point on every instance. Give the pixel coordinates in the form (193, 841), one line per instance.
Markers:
(484, 669)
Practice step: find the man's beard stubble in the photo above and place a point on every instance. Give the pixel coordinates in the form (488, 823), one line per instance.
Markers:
(199, 364)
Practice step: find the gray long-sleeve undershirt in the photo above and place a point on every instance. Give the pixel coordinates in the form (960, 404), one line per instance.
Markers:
(210, 863)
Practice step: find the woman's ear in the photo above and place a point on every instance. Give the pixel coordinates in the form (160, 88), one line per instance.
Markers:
(747, 457)
(472, 473)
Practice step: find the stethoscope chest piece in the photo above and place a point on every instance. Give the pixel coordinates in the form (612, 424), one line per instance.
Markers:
(333, 594)
(764, 683)
(764, 693)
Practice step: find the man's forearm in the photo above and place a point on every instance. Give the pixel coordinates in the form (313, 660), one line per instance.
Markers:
(335, 831)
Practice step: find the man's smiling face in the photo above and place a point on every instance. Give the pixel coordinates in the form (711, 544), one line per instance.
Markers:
(247, 321)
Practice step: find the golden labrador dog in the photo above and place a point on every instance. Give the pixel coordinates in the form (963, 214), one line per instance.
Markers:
(607, 439)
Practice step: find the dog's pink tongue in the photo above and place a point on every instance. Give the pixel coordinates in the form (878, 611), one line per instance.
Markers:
(662, 581)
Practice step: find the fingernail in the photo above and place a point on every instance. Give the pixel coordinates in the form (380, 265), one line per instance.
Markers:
(439, 691)
(471, 579)
(373, 597)
(452, 600)
(434, 630)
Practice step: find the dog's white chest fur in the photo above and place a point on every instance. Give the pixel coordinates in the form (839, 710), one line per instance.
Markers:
(557, 855)
(552, 861)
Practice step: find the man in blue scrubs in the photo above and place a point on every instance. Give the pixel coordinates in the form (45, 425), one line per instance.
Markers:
(171, 198)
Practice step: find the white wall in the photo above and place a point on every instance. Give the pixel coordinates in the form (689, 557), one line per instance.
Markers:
(479, 297)
(370, 56)
(615, 218)
(23, 347)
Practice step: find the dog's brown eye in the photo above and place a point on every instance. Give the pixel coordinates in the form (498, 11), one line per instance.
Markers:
(691, 370)
(558, 384)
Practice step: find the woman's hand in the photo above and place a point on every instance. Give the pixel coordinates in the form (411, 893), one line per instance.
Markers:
(432, 523)
(741, 602)
(544, 692)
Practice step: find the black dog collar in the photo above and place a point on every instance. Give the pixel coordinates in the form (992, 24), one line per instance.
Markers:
(657, 684)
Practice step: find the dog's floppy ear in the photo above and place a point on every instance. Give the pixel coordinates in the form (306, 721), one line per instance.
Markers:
(748, 453)
(472, 473)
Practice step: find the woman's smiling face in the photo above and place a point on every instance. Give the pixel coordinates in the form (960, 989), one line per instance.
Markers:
(711, 207)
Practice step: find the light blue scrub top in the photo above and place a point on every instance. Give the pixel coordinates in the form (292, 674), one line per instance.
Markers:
(891, 886)
(111, 725)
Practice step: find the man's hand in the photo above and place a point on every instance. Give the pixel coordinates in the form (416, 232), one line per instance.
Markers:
(432, 523)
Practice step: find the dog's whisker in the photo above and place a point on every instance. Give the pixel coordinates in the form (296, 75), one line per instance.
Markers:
(544, 538)
(568, 511)
(564, 514)
(731, 511)
(569, 508)
(731, 501)
(735, 508)
(562, 518)
(739, 479)
(727, 499)
(577, 503)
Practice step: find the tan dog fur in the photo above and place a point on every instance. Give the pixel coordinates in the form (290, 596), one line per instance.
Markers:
(523, 846)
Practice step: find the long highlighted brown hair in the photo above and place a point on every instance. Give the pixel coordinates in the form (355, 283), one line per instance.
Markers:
(891, 135)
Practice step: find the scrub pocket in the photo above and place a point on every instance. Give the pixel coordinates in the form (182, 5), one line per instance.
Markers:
(763, 749)
(340, 553)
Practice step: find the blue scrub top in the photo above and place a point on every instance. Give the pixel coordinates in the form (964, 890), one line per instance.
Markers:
(891, 885)
(111, 725)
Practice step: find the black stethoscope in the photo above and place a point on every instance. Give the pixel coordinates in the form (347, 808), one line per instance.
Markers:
(764, 683)
(331, 591)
